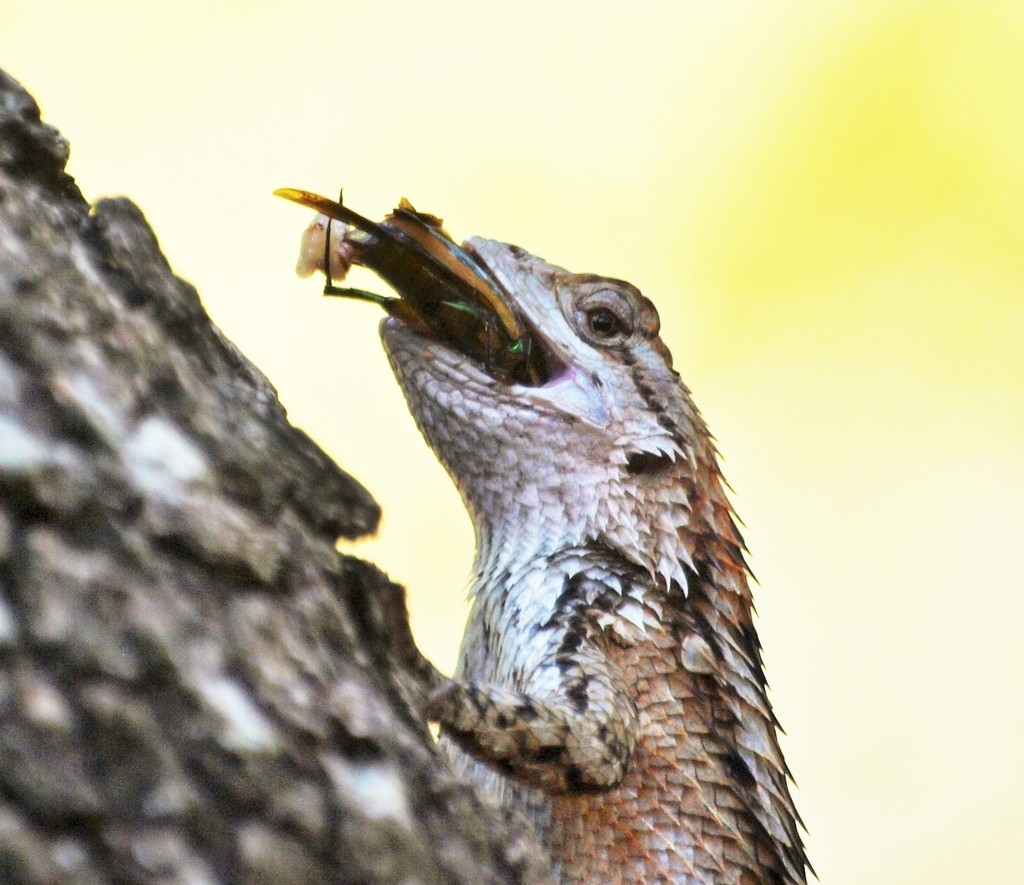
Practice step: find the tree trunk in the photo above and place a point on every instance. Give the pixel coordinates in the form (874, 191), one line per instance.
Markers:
(195, 686)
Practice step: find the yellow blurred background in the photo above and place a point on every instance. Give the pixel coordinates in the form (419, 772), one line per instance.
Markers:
(826, 200)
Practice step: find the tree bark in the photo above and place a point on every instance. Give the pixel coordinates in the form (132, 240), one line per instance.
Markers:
(195, 686)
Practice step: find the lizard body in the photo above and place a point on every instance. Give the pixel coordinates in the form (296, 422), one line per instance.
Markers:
(610, 680)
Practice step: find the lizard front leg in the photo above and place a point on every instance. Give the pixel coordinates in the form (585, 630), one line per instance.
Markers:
(571, 728)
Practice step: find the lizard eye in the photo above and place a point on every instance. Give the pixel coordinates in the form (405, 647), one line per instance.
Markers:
(603, 323)
(604, 318)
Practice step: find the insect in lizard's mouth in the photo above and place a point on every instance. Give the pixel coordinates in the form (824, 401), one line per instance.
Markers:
(446, 293)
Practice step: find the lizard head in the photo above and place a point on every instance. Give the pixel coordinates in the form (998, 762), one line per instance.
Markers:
(601, 439)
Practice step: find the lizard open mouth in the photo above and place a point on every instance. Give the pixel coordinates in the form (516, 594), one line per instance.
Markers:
(444, 292)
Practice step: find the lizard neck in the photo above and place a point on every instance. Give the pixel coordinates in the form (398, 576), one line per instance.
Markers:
(532, 497)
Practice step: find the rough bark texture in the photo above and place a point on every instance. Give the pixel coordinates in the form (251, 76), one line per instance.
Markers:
(194, 685)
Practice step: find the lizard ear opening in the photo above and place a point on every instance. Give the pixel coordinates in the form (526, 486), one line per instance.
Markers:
(648, 463)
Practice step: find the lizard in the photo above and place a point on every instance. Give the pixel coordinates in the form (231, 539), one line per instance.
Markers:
(610, 681)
